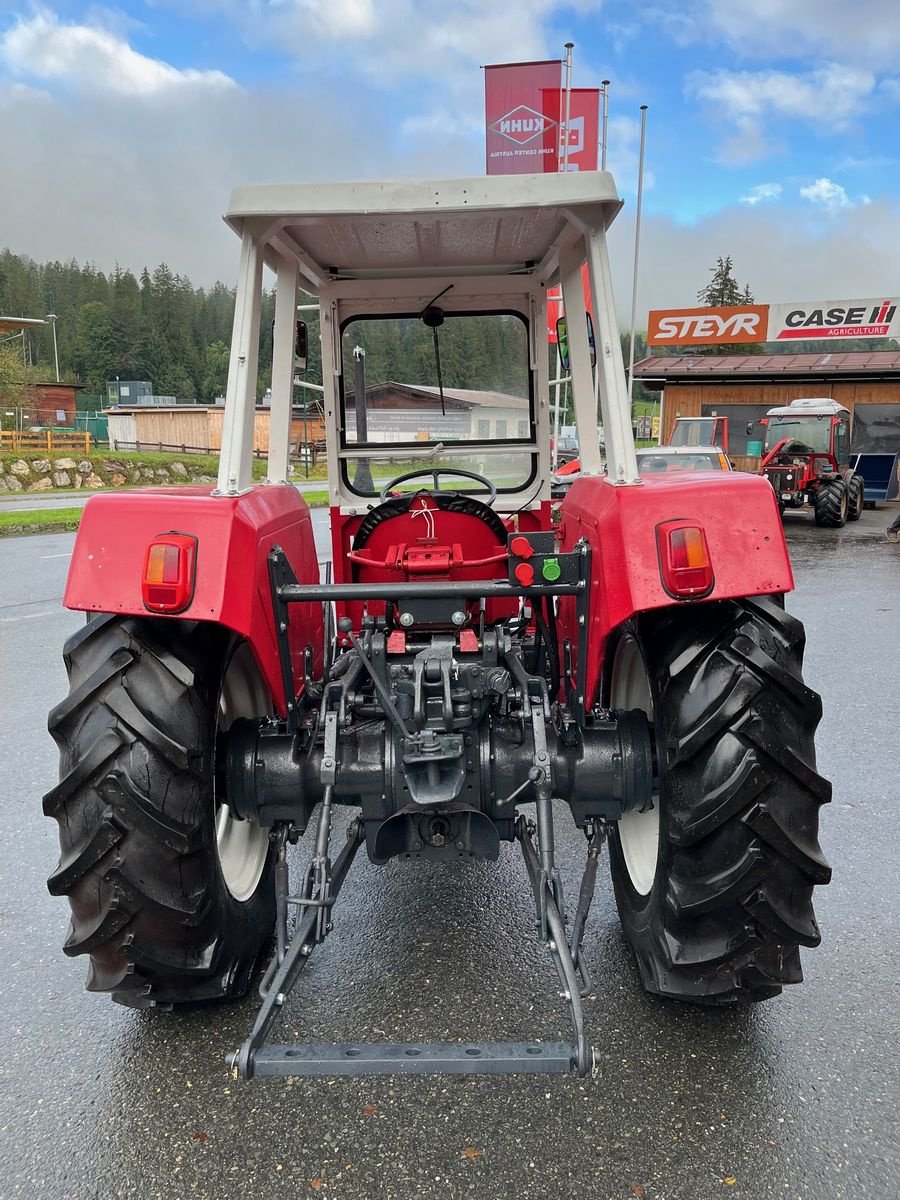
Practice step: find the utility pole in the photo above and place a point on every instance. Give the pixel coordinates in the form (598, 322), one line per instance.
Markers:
(52, 318)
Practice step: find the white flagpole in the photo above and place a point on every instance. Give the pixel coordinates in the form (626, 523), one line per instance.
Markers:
(637, 250)
(568, 107)
(557, 383)
(604, 91)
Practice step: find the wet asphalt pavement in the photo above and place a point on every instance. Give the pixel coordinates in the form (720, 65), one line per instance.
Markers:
(794, 1098)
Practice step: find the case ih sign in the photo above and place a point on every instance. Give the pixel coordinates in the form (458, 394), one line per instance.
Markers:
(813, 320)
(834, 319)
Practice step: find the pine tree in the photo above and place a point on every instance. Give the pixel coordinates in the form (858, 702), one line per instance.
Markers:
(724, 291)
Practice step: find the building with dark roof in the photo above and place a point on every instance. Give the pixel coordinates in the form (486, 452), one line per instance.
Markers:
(744, 387)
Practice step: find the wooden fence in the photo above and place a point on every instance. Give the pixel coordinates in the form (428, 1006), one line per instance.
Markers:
(46, 439)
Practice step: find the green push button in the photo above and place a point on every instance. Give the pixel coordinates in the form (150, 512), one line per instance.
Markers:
(551, 569)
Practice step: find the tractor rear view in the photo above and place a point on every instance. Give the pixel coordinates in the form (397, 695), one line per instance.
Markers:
(468, 672)
(806, 458)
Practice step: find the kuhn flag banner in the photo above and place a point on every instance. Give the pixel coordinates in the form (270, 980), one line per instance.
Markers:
(876, 318)
(521, 115)
(584, 129)
(584, 135)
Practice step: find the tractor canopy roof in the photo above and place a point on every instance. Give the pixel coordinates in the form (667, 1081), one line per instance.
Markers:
(818, 406)
(408, 228)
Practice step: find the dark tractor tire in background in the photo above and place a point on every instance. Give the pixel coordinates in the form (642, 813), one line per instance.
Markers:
(714, 883)
(856, 497)
(171, 896)
(831, 504)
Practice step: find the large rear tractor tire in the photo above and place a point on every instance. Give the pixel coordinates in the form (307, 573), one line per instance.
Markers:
(855, 497)
(714, 883)
(831, 504)
(171, 896)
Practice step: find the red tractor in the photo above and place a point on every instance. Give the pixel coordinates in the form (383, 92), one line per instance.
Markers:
(700, 431)
(468, 670)
(806, 458)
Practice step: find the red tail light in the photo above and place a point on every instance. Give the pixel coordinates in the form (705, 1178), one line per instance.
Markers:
(684, 561)
(169, 571)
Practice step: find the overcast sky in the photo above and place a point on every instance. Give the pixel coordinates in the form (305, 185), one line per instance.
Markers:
(772, 132)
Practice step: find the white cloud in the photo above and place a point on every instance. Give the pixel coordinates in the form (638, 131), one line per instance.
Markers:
(779, 251)
(390, 41)
(747, 103)
(335, 18)
(761, 192)
(786, 29)
(833, 91)
(107, 147)
(94, 59)
(831, 196)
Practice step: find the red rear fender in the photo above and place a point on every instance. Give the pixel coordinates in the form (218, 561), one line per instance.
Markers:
(234, 536)
(738, 514)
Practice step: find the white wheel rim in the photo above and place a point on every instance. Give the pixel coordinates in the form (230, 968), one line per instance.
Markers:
(638, 831)
(242, 847)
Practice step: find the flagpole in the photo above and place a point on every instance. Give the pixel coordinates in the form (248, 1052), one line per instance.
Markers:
(604, 91)
(568, 108)
(637, 249)
(557, 383)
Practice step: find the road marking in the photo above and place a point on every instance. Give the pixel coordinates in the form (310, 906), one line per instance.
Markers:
(68, 554)
(50, 612)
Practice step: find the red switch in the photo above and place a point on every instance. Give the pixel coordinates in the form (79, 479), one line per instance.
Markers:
(524, 572)
(521, 547)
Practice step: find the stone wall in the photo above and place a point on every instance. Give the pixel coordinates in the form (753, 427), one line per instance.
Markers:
(34, 473)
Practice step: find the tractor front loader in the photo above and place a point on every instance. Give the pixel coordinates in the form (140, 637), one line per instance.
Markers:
(468, 671)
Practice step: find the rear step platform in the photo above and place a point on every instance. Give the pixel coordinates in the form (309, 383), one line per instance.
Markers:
(434, 1058)
(319, 891)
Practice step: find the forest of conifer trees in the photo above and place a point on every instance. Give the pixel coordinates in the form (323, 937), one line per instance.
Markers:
(157, 327)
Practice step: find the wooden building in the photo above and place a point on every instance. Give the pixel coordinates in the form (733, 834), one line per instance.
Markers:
(744, 387)
(194, 427)
(52, 404)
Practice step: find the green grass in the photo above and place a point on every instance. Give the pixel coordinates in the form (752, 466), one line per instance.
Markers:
(66, 520)
(44, 520)
(197, 464)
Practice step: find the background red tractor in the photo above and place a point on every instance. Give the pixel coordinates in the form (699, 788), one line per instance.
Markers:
(806, 458)
(700, 431)
(468, 672)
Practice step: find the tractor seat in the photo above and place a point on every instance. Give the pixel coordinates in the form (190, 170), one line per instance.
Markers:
(428, 534)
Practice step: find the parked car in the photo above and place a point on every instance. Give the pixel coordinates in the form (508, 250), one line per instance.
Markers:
(654, 460)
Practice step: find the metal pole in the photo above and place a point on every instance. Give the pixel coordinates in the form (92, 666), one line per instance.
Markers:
(568, 109)
(637, 249)
(51, 317)
(604, 92)
(363, 477)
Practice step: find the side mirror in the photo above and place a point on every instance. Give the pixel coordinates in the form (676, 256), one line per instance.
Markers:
(562, 342)
(301, 347)
(749, 428)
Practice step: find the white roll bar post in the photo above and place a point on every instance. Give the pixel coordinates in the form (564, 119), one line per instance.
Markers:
(583, 398)
(283, 354)
(615, 406)
(235, 473)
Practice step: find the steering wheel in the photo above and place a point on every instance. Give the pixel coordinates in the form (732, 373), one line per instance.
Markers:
(435, 474)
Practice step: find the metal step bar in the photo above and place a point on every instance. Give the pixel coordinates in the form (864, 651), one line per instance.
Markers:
(321, 886)
(428, 1058)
